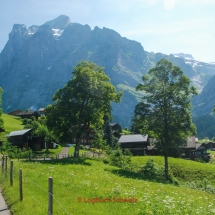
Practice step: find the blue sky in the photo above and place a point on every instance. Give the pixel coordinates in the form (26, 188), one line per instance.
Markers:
(167, 26)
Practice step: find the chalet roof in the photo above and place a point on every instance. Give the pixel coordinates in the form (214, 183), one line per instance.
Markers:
(133, 138)
(198, 145)
(14, 112)
(191, 142)
(18, 133)
(112, 124)
(25, 113)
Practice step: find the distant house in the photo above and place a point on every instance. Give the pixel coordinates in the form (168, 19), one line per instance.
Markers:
(210, 145)
(136, 143)
(116, 129)
(28, 114)
(14, 113)
(85, 138)
(20, 138)
(23, 139)
(194, 150)
(41, 111)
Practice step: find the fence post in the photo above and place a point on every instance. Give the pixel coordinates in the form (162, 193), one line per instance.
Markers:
(20, 185)
(50, 196)
(11, 173)
(2, 163)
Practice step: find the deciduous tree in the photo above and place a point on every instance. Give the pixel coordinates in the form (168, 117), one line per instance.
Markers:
(165, 110)
(83, 101)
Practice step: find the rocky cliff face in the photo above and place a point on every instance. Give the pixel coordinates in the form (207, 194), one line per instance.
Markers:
(37, 60)
(204, 102)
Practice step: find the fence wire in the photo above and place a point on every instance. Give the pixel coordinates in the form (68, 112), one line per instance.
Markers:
(16, 174)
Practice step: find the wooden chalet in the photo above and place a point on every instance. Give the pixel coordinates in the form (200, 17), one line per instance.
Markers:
(41, 111)
(23, 139)
(210, 145)
(136, 143)
(86, 138)
(194, 150)
(14, 113)
(28, 114)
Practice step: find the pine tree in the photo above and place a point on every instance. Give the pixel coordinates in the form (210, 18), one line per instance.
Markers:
(108, 136)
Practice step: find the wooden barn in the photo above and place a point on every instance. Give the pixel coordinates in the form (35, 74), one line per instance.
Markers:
(28, 114)
(14, 113)
(194, 150)
(136, 143)
(23, 139)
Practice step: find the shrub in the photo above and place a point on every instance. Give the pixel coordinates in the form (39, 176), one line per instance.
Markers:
(118, 159)
(127, 152)
(151, 169)
(106, 161)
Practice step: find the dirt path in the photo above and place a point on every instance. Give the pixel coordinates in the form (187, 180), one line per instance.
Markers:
(64, 153)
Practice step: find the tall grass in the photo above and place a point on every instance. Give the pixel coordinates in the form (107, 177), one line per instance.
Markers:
(184, 170)
(78, 181)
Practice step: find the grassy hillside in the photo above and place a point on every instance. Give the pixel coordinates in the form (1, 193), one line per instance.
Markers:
(184, 170)
(78, 182)
(11, 123)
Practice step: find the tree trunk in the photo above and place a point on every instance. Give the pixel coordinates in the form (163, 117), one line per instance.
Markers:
(77, 147)
(166, 168)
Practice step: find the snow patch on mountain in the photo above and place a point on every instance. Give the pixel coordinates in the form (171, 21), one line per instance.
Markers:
(57, 32)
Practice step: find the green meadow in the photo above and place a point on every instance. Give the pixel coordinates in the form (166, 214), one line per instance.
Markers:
(88, 186)
(11, 123)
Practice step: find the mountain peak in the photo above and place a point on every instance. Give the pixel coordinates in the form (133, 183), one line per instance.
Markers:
(61, 22)
(184, 55)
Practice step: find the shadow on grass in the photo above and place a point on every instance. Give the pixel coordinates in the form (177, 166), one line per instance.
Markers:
(63, 161)
(139, 176)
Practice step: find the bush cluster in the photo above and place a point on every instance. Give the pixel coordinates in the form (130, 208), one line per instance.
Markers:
(117, 158)
(152, 169)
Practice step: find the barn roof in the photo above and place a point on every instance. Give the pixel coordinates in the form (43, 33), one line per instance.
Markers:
(18, 133)
(25, 113)
(133, 138)
(191, 142)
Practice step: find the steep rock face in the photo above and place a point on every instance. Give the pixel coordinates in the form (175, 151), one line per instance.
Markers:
(38, 60)
(204, 102)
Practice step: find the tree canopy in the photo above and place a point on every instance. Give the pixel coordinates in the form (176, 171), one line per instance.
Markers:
(165, 110)
(83, 101)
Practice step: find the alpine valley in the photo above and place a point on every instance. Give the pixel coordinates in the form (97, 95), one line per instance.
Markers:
(38, 60)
